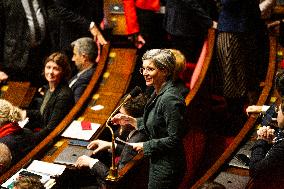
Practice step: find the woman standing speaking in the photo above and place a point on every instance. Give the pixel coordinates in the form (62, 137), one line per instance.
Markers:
(162, 121)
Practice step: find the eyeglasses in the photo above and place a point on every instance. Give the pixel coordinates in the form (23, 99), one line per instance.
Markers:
(148, 70)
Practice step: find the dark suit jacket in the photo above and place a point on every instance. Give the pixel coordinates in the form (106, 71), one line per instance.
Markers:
(19, 143)
(100, 170)
(58, 106)
(15, 35)
(267, 164)
(239, 16)
(80, 85)
(186, 18)
(89, 9)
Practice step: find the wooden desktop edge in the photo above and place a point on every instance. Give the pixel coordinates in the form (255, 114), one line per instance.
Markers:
(251, 120)
(139, 157)
(65, 122)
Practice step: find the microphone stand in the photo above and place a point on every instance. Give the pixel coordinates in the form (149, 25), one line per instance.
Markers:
(113, 171)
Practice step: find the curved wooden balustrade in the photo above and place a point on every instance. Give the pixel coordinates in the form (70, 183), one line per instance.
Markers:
(107, 93)
(133, 173)
(250, 123)
(65, 122)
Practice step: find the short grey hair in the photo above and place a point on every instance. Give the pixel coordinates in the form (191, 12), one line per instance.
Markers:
(163, 59)
(86, 45)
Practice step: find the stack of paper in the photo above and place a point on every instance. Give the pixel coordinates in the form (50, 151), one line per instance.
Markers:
(81, 130)
(46, 168)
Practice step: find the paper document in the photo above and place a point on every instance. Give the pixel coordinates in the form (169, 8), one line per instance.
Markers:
(81, 130)
(46, 168)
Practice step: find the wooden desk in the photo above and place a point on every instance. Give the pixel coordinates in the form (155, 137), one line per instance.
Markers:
(18, 93)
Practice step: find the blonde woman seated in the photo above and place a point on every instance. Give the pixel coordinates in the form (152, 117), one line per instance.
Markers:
(15, 141)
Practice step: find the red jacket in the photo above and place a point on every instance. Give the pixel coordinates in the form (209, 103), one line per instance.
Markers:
(132, 25)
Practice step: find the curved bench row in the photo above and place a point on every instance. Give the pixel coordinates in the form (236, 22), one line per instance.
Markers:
(39, 149)
(250, 123)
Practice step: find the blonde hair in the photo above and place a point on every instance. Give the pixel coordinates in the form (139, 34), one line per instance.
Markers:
(8, 112)
(180, 63)
(5, 157)
(28, 182)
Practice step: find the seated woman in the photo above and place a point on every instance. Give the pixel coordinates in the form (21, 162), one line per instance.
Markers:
(179, 76)
(58, 99)
(15, 141)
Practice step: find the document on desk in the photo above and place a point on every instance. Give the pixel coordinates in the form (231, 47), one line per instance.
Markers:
(81, 130)
(46, 168)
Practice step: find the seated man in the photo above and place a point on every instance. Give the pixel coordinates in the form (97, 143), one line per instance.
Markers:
(133, 107)
(267, 156)
(266, 162)
(5, 158)
(85, 52)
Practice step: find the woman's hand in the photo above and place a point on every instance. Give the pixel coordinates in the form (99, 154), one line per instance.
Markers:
(265, 133)
(99, 145)
(3, 76)
(123, 119)
(137, 146)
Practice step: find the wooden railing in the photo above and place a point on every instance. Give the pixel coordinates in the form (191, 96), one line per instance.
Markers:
(138, 165)
(39, 149)
(267, 86)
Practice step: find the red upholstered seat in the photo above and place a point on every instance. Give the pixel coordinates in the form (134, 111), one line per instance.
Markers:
(194, 146)
(195, 139)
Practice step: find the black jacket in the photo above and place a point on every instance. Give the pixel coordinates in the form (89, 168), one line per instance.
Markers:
(15, 35)
(58, 106)
(82, 82)
(267, 163)
(186, 18)
(88, 9)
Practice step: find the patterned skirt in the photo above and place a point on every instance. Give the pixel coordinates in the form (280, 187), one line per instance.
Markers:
(237, 60)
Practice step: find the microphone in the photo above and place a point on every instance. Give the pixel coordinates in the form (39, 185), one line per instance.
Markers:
(113, 172)
(133, 93)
